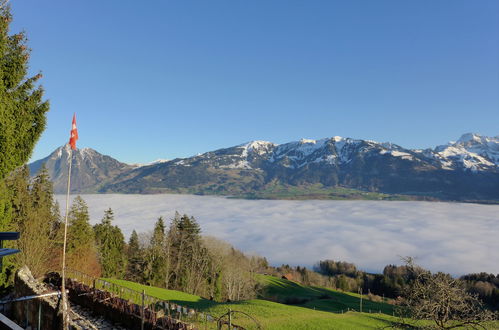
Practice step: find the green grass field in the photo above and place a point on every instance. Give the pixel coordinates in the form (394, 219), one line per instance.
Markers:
(284, 291)
(273, 315)
(317, 191)
(321, 311)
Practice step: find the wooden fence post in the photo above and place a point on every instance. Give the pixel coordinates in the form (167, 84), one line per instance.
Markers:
(39, 314)
(143, 310)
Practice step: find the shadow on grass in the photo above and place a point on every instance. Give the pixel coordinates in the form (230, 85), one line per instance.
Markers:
(317, 298)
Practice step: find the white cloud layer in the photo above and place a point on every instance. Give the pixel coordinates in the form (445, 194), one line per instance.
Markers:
(451, 237)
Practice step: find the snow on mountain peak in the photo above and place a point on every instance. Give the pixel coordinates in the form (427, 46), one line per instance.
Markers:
(257, 144)
(259, 147)
(470, 137)
(157, 161)
(471, 151)
(303, 141)
(87, 152)
(62, 151)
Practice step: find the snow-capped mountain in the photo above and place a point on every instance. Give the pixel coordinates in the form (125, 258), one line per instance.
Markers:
(465, 169)
(89, 170)
(471, 151)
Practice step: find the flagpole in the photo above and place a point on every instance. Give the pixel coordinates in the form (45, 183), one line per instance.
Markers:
(65, 307)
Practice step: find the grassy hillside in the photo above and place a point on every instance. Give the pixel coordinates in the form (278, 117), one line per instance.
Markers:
(318, 312)
(284, 291)
(272, 315)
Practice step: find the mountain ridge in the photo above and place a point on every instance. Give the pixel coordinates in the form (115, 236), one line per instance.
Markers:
(465, 169)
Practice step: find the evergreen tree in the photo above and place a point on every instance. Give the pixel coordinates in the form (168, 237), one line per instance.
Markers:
(22, 111)
(22, 118)
(46, 206)
(110, 244)
(158, 235)
(135, 260)
(156, 270)
(81, 252)
(190, 260)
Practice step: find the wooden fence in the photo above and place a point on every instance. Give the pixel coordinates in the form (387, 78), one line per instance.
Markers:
(148, 308)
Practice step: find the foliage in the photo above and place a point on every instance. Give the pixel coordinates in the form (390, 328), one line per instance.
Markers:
(34, 213)
(134, 265)
(156, 270)
(110, 244)
(81, 252)
(485, 285)
(177, 257)
(37, 222)
(331, 268)
(22, 120)
(22, 111)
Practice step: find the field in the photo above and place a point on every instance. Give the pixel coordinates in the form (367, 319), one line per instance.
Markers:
(318, 191)
(318, 312)
(322, 308)
(317, 298)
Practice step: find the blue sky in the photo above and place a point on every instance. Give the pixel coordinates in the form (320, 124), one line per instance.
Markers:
(164, 79)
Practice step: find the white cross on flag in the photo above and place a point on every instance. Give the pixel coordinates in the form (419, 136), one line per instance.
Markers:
(74, 134)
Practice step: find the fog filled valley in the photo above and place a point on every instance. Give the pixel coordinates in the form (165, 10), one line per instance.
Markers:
(456, 238)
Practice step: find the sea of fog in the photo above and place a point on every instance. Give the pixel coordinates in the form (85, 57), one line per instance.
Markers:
(453, 237)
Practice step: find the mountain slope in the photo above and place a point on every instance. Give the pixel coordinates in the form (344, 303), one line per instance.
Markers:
(90, 169)
(467, 169)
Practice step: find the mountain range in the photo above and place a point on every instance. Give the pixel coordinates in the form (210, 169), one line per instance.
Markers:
(466, 169)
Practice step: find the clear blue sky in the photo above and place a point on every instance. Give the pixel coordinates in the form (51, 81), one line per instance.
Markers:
(164, 79)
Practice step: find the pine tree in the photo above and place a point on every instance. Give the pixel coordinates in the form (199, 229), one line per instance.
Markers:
(135, 259)
(190, 260)
(81, 250)
(110, 244)
(22, 111)
(22, 117)
(156, 261)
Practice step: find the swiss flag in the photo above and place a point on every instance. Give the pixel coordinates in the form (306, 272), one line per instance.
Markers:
(74, 134)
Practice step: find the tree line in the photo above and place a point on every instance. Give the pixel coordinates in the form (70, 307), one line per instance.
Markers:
(392, 283)
(176, 256)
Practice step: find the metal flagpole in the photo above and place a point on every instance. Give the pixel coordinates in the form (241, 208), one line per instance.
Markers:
(65, 307)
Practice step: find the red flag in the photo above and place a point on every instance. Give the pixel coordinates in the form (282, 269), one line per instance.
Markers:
(74, 134)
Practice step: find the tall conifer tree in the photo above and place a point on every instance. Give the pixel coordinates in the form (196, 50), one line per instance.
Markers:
(134, 259)
(110, 244)
(22, 110)
(81, 249)
(156, 259)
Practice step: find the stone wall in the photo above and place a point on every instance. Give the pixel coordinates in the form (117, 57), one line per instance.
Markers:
(44, 311)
